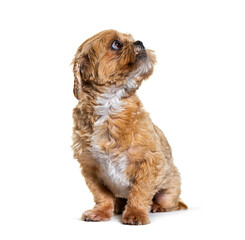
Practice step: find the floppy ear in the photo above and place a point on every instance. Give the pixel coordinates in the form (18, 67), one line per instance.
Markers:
(77, 86)
(82, 71)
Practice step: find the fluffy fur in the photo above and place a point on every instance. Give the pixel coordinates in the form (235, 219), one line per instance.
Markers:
(125, 159)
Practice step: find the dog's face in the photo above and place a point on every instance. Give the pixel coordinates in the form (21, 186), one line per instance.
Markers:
(109, 58)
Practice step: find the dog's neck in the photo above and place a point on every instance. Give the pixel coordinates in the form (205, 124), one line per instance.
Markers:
(111, 101)
(100, 101)
(95, 94)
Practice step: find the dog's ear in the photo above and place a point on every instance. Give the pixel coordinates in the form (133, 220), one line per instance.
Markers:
(82, 71)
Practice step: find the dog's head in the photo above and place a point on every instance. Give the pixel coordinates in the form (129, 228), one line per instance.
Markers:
(111, 58)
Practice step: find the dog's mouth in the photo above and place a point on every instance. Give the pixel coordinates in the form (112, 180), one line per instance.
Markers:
(144, 66)
(141, 55)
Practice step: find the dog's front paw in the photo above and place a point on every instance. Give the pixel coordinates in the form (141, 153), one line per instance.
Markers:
(97, 214)
(134, 216)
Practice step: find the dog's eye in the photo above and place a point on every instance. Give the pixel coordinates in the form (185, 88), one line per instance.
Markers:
(116, 45)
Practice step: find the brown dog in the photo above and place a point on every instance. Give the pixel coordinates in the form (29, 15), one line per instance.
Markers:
(126, 160)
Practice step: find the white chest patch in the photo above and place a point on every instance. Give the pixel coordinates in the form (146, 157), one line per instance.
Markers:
(112, 173)
(112, 166)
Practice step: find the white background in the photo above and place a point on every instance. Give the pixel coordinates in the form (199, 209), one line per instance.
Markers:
(196, 95)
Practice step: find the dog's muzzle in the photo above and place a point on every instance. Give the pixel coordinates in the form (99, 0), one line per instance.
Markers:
(139, 49)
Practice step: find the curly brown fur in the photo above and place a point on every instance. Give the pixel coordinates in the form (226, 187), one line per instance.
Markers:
(123, 155)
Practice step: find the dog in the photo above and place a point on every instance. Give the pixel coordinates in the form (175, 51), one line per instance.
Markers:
(125, 159)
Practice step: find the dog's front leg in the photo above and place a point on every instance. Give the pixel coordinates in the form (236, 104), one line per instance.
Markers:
(104, 199)
(141, 195)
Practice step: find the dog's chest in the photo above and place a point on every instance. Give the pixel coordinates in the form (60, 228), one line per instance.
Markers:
(112, 172)
(111, 162)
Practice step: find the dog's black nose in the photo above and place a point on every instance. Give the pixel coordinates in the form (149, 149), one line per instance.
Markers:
(139, 44)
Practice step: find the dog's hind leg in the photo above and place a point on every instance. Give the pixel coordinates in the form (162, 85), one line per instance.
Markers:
(168, 199)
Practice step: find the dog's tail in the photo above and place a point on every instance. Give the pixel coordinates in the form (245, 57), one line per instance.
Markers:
(181, 205)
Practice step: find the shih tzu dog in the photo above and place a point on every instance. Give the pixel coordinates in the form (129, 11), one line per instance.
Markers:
(125, 159)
